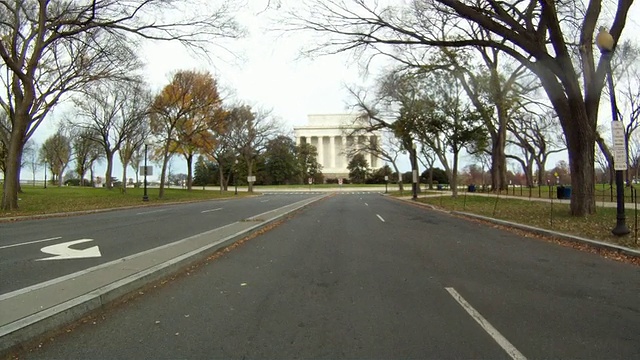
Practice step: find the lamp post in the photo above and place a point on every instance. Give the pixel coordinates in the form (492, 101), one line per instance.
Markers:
(45, 174)
(414, 168)
(235, 176)
(145, 197)
(605, 43)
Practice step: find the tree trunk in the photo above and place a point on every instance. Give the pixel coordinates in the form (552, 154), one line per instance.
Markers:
(11, 184)
(581, 149)
(189, 171)
(226, 180)
(498, 164)
(395, 167)
(250, 173)
(221, 178)
(165, 161)
(431, 177)
(107, 176)
(61, 176)
(454, 175)
(124, 177)
(529, 174)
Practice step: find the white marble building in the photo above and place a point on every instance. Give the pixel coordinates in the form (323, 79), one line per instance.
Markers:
(330, 134)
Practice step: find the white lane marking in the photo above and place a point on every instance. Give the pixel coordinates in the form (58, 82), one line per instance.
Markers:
(151, 212)
(206, 211)
(264, 200)
(365, 204)
(380, 217)
(297, 205)
(495, 334)
(63, 251)
(30, 242)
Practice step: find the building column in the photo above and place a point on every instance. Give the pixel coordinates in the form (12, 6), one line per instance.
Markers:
(332, 151)
(320, 151)
(298, 140)
(345, 158)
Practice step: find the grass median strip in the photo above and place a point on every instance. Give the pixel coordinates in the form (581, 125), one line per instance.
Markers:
(39, 201)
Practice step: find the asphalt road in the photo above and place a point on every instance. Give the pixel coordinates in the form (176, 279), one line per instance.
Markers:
(363, 276)
(116, 233)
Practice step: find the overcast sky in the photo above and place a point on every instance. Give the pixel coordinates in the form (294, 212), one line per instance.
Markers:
(270, 74)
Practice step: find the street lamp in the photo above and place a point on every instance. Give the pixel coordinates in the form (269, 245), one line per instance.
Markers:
(145, 197)
(605, 43)
(45, 174)
(235, 176)
(414, 167)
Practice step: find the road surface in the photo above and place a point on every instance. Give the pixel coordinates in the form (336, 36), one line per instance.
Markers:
(364, 276)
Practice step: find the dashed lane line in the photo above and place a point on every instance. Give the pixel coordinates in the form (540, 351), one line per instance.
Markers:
(30, 242)
(493, 332)
(151, 212)
(206, 211)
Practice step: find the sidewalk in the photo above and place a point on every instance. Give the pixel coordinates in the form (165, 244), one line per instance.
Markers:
(35, 310)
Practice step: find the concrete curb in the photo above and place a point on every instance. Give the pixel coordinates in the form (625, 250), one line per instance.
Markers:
(573, 238)
(555, 234)
(14, 334)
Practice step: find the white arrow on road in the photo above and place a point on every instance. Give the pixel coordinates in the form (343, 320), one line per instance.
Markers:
(62, 251)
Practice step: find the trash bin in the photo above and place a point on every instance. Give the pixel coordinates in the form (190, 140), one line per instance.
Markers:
(439, 187)
(564, 192)
(471, 188)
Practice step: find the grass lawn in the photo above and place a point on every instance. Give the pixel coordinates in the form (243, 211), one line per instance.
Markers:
(542, 215)
(53, 199)
(603, 192)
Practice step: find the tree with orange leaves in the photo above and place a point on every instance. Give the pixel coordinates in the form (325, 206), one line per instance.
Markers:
(183, 116)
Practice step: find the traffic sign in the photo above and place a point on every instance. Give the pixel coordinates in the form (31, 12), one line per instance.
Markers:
(619, 150)
(146, 170)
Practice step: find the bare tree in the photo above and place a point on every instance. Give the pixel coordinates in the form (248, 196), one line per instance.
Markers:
(387, 150)
(104, 113)
(86, 151)
(51, 48)
(56, 152)
(536, 136)
(248, 132)
(428, 160)
(30, 158)
(630, 91)
(544, 36)
(634, 156)
(135, 110)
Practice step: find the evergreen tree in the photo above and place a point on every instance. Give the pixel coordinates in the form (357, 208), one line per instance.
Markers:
(358, 169)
